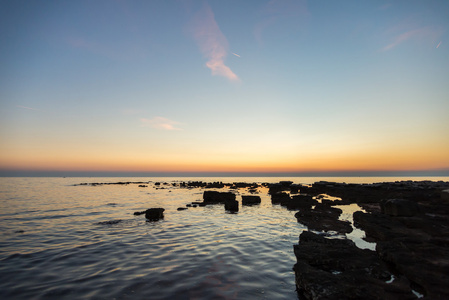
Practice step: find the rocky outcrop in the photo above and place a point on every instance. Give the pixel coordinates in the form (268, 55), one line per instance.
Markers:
(399, 207)
(417, 247)
(251, 200)
(337, 269)
(280, 197)
(214, 197)
(323, 218)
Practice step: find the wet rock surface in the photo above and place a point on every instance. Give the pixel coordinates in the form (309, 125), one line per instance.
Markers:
(323, 218)
(409, 221)
(337, 269)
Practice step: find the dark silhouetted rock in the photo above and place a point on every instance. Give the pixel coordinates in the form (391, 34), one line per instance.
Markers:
(301, 201)
(138, 213)
(445, 195)
(214, 197)
(286, 183)
(143, 185)
(399, 208)
(278, 198)
(250, 200)
(323, 218)
(232, 205)
(417, 247)
(337, 269)
(154, 214)
(182, 208)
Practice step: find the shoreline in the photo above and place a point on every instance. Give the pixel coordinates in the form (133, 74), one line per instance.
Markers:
(407, 220)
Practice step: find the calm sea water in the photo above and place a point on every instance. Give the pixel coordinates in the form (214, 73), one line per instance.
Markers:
(52, 247)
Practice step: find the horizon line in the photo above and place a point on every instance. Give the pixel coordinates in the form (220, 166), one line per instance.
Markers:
(363, 173)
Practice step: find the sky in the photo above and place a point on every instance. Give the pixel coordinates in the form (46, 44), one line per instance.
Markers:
(257, 86)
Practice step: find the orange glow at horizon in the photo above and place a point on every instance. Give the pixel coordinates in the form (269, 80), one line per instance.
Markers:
(406, 161)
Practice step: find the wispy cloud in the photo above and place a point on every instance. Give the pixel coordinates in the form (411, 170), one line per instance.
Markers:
(439, 44)
(235, 54)
(415, 34)
(160, 123)
(212, 43)
(26, 107)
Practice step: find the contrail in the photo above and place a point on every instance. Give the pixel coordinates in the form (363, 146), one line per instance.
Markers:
(438, 44)
(239, 55)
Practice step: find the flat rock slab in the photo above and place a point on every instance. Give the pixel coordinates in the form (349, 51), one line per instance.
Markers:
(323, 218)
(214, 197)
(337, 269)
(417, 247)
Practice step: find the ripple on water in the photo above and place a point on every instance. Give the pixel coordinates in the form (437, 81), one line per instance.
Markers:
(78, 249)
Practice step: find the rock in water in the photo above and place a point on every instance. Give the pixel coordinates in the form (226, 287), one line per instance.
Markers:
(250, 200)
(232, 205)
(214, 197)
(154, 214)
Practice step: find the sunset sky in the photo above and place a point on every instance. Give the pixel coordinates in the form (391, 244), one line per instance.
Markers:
(224, 86)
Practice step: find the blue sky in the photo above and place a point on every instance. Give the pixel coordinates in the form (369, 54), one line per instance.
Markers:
(224, 85)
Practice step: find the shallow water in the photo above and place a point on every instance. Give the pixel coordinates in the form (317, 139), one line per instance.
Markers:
(52, 247)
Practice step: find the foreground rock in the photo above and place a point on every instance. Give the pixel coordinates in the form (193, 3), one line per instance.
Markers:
(417, 247)
(337, 269)
(409, 221)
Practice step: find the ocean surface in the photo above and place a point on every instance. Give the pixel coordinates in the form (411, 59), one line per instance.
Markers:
(60, 240)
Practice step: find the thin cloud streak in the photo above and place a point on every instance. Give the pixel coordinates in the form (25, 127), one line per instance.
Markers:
(411, 34)
(235, 54)
(212, 43)
(30, 108)
(438, 45)
(160, 123)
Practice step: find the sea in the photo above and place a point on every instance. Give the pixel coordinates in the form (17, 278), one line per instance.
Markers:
(62, 240)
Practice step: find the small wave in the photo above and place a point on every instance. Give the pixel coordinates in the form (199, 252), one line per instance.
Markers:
(111, 222)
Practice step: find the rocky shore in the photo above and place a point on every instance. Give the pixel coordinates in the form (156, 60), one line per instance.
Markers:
(408, 221)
